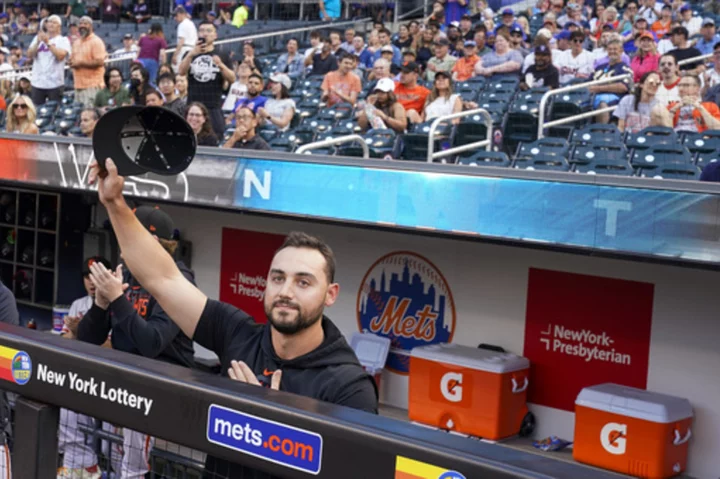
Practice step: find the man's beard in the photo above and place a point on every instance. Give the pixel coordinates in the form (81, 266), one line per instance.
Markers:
(84, 32)
(301, 322)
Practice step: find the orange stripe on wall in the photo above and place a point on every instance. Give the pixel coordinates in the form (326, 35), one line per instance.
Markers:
(5, 363)
(406, 475)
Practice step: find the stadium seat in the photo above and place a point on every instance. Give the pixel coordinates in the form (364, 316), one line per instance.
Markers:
(268, 131)
(491, 95)
(483, 158)
(315, 124)
(651, 135)
(504, 84)
(548, 163)
(544, 146)
(520, 127)
(341, 111)
(63, 125)
(307, 108)
(381, 142)
(43, 121)
(659, 155)
(702, 143)
(677, 171)
(702, 159)
(306, 133)
(594, 152)
(596, 133)
(283, 142)
(75, 131)
(606, 167)
(568, 104)
(471, 128)
(47, 110)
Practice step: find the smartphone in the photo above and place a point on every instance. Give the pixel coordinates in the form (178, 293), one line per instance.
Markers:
(201, 41)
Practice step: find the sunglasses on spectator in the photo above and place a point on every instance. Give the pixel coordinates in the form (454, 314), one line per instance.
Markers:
(652, 83)
(577, 40)
(18, 106)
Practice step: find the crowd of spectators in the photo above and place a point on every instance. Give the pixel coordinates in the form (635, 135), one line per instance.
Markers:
(408, 76)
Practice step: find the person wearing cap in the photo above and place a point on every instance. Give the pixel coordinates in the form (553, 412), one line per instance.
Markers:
(661, 26)
(151, 51)
(609, 94)
(690, 114)
(87, 61)
(382, 105)
(280, 108)
(384, 36)
(212, 17)
(709, 37)
(502, 61)
(322, 61)
(166, 84)
(647, 57)
(137, 323)
(208, 68)
(245, 136)
(141, 12)
(542, 37)
(562, 41)
(576, 64)
(75, 10)
(516, 41)
(542, 73)
(442, 61)
(683, 51)
(342, 85)
(690, 21)
(49, 51)
(409, 94)
(187, 36)
(292, 62)
(465, 66)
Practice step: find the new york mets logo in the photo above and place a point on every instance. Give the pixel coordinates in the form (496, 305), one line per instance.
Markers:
(404, 297)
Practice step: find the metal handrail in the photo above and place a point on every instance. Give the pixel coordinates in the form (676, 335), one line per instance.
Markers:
(336, 141)
(694, 59)
(579, 86)
(487, 143)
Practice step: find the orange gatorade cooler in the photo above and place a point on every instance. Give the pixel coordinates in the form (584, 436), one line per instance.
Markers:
(632, 431)
(468, 390)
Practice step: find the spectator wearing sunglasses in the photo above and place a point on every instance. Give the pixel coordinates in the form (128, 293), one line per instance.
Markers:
(21, 116)
(575, 64)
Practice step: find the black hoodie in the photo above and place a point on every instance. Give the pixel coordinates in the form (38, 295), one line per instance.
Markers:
(139, 325)
(329, 373)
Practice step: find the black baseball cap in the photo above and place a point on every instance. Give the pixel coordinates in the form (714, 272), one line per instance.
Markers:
(542, 50)
(443, 74)
(410, 67)
(143, 139)
(92, 260)
(156, 221)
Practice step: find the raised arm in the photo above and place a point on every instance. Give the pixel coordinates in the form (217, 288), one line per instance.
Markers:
(150, 264)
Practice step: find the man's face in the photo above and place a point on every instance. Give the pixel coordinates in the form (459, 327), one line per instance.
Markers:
(297, 290)
(349, 35)
(640, 27)
(708, 31)
(89, 286)
(358, 43)
(314, 41)
(408, 78)
(326, 50)
(87, 123)
(516, 38)
(292, 47)
(666, 14)
(153, 100)
(542, 60)
(346, 65)
(53, 27)
(85, 28)
(248, 51)
(465, 24)
(686, 15)
(44, 12)
(254, 86)
(380, 71)
(576, 45)
(677, 39)
(508, 19)
(480, 39)
(244, 118)
(614, 53)
(441, 50)
(335, 39)
(207, 32)
(387, 56)
(688, 87)
(667, 66)
(127, 42)
(470, 51)
(384, 38)
(167, 86)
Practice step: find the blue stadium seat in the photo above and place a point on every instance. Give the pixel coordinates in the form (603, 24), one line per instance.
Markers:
(677, 171)
(520, 127)
(48, 109)
(306, 132)
(338, 112)
(381, 142)
(268, 131)
(659, 155)
(505, 84)
(652, 135)
(594, 152)
(548, 163)
(283, 142)
(596, 133)
(702, 159)
(470, 129)
(544, 146)
(702, 143)
(483, 158)
(315, 124)
(606, 167)
(569, 104)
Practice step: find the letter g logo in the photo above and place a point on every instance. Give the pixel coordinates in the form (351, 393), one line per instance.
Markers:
(451, 387)
(613, 438)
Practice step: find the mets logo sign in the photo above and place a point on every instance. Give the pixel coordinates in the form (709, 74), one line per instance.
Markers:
(404, 297)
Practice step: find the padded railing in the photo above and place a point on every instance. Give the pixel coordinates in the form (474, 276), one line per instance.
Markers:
(542, 124)
(487, 142)
(183, 404)
(336, 141)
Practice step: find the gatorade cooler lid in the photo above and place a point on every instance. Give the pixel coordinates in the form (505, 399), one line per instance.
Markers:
(371, 350)
(636, 403)
(473, 358)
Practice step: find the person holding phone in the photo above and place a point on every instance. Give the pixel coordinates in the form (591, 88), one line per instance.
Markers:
(49, 51)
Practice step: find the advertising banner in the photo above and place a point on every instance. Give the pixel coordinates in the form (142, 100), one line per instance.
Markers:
(585, 330)
(244, 264)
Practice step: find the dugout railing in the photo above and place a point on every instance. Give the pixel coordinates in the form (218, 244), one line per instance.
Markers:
(184, 406)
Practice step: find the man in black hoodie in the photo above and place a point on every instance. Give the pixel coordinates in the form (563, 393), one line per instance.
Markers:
(138, 324)
(298, 351)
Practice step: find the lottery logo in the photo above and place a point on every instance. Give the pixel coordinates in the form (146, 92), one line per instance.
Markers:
(21, 367)
(405, 297)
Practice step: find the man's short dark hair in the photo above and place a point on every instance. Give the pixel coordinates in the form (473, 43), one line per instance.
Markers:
(717, 45)
(385, 31)
(95, 112)
(297, 239)
(155, 92)
(667, 55)
(314, 34)
(577, 34)
(680, 31)
(291, 39)
(205, 22)
(258, 76)
(166, 76)
(695, 78)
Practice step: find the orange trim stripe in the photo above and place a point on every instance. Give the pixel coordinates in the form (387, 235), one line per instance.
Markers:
(5, 363)
(406, 475)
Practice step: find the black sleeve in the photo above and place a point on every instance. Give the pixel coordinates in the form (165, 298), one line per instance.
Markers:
(220, 324)
(553, 79)
(333, 63)
(94, 326)
(360, 393)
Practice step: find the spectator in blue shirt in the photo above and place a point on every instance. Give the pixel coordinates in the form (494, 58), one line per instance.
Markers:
(709, 37)
(292, 63)
(384, 36)
(252, 99)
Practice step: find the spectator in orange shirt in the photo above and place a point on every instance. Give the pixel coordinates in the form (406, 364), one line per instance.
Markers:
(409, 94)
(465, 66)
(690, 114)
(342, 85)
(88, 64)
(662, 26)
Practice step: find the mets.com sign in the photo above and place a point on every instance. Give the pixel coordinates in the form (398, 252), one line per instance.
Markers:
(405, 298)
